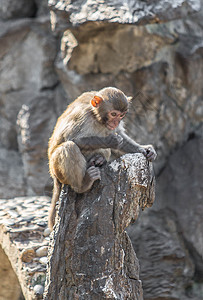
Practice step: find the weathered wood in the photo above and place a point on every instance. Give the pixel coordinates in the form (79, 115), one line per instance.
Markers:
(91, 256)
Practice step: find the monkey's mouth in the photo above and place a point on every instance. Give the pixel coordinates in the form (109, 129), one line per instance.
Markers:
(111, 126)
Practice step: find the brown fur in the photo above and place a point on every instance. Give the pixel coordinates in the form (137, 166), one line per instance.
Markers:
(67, 163)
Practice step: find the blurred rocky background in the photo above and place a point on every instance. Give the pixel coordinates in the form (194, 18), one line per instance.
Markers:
(152, 50)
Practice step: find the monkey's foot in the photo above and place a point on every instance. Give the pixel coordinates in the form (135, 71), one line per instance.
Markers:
(92, 174)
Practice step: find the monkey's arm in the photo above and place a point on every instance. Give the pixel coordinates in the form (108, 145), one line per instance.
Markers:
(130, 146)
(94, 142)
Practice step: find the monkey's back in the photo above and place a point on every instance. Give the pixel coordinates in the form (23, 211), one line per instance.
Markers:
(78, 121)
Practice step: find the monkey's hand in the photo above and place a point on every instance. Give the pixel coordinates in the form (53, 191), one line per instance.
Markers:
(114, 141)
(93, 173)
(149, 152)
(97, 160)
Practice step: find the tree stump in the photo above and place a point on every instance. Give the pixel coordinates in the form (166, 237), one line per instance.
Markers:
(91, 256)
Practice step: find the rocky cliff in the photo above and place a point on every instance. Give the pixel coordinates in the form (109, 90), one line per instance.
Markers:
(153, 51)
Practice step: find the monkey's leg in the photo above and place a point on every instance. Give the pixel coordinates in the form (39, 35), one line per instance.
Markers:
(67, 166)
(70, 167)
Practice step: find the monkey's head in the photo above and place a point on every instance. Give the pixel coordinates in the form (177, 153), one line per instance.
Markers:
(110, 106)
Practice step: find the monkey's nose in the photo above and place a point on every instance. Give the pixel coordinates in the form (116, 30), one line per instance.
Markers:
(116, 122)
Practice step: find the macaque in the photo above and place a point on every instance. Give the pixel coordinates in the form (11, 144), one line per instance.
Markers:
(83, 138)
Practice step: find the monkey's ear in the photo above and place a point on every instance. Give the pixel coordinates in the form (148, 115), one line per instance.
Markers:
(96, 101)
(129, 99)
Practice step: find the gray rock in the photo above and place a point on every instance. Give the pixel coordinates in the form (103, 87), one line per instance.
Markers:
(130, 12)
(28, 218)
(99, 256)
(27, 53)
(42, 7)
(42, 251)
(180, 189)
(13, 213)
(38, 289)
(8, 222)
(47, 232)
(2, 213)
(42, 223)
(24, 229)
(35, 124)
(43, 260)
(167, 239)
(166, 268)
(11, 170)
(12, 9)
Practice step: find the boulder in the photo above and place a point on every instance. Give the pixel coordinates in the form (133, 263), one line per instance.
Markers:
(167, 239)
(180, 189)
(166, 268)
(91, 255)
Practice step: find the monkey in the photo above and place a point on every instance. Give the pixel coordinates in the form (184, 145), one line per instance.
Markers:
(84, 136)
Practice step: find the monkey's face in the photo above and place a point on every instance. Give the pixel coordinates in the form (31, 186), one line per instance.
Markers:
(113, 119)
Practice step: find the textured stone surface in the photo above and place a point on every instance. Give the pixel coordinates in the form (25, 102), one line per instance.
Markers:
(79, 12)
(184, 195)
(13, 9)
(9, 285)
(28, 81)
(96, 259)
(166, 268)
(171, 233)
(11, 171)
(23, 222)
(35, 122)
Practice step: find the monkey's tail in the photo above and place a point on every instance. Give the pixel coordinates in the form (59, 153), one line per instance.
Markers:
(55, 198)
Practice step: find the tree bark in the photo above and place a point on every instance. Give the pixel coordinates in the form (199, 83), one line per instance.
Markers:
(91, 256)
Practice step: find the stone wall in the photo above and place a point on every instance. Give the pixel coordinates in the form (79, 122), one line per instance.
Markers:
(150, 50)
(29, 89)
(24, 239)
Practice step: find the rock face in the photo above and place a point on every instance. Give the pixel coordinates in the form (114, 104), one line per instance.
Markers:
(17, 9)
(96, 259)
(171, 233)
(166, 267)
(127, 12)
(185, 177)
(28, 83)
(152, 50)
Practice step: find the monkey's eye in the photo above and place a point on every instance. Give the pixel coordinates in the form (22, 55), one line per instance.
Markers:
(122, 115)
(113, 114)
